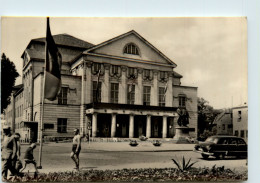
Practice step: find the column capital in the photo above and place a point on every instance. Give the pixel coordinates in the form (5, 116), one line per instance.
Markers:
(88, 63)
(107, 66)
(124, 68)
(139, 70)
(155, 72)
(132, 114)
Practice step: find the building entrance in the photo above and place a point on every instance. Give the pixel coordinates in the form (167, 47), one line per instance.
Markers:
(139, 126)
(156, 127)
(103, 125)
(122, 126)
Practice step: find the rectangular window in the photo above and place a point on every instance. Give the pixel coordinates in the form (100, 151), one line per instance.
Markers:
(223, 126)
(48, 126)
(161, 96)
(236, 133)
(146, 95)
(242, 133)
(239, 117)
(114, 92)
(62, 97)
(130, 94)
(182, 101)
(96, 91)
(62, 125)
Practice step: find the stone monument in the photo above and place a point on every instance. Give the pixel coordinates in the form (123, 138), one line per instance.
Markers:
(182, 135)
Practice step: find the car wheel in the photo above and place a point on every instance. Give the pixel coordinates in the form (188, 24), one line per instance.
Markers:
(204, 156)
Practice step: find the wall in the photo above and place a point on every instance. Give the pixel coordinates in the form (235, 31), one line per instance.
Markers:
(240, 124)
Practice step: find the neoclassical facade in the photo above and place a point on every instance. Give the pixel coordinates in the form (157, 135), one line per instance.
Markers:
(123, 87)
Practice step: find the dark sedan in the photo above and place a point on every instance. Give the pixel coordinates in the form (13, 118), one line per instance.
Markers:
(221, 146)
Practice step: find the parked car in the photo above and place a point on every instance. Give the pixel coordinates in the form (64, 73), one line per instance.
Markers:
(221, 146)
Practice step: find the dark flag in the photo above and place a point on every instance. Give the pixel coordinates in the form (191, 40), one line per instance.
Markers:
(52, 66)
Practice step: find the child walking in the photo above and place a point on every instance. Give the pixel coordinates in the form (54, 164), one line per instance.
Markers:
(28, 157)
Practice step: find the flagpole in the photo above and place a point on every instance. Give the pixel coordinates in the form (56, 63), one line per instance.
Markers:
(42, 110)
(41, 121)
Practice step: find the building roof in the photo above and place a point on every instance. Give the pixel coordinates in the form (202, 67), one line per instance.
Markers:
(64, 40)
(177, 75)
(126, 34)
(223, 117)
(36, 54)
(67, 40)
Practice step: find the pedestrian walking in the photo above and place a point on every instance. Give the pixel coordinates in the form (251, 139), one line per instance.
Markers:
(9, 152)
(29, 158)
(17, 161)
(76, 147)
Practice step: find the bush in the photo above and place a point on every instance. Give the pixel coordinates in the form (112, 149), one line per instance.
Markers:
(133, 143)
(150, 174)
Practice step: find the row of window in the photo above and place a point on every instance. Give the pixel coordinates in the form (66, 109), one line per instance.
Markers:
(19, 111)
(114, 93)
(61, 125)
(243, 133)
(19, 97)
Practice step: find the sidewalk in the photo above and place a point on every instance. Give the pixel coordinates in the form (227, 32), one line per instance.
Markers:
(143, 146)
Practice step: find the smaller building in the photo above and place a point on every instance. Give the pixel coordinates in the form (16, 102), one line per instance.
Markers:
(240, 121)
(223, 122)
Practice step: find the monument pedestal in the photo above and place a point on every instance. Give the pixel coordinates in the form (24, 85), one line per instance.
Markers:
(182, 135)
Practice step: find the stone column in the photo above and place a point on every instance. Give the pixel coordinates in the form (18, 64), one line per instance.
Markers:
(131, 126)
(148, 126)
(105, 91)
(123, 86)
(169, 94)
(88, 84)
(154, 89)
(139, 89)
(113, 125)
(94, 125)
(164, 127)
(83, 90)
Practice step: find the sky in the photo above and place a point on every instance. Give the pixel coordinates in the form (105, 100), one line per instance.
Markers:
(210, 53)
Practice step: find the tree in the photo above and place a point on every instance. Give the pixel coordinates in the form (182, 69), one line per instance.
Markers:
(8, 77)
(206, 116)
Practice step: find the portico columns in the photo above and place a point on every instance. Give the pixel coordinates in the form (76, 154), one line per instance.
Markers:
(113, 125)
(94, 125)
(164, 127)
(131, 126)
(148, 126)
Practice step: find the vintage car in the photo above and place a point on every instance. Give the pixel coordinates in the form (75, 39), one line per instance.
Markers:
(221, 146)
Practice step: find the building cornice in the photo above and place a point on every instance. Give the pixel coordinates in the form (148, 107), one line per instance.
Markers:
(130, 59)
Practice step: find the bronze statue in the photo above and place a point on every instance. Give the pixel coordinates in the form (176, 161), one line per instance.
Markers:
(183, 119)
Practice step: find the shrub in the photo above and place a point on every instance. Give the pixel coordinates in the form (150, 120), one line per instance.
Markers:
(183, 166)
(133, 143)
(157, 143)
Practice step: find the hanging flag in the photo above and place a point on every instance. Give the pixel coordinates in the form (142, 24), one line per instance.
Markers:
(52, 67)
(165, 90)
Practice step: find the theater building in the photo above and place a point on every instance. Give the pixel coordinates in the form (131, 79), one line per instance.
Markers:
(120, 88)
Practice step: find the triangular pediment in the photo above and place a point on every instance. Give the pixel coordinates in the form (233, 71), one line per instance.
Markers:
(115, 47)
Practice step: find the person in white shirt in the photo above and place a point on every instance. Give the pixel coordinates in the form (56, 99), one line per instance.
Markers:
(76, 147)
